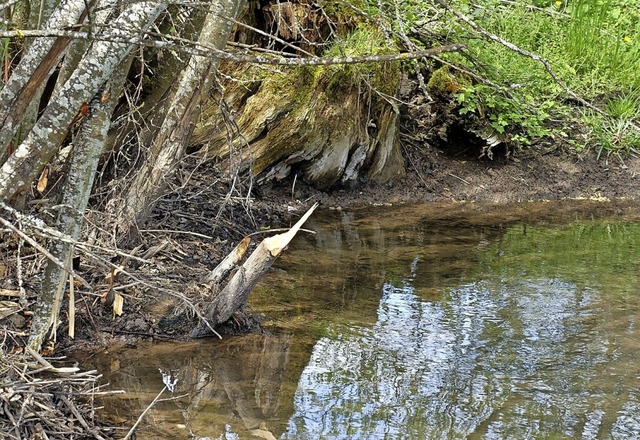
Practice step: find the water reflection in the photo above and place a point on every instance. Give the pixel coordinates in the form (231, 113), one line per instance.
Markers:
(239, 386)
(399, 324)
(527, 361)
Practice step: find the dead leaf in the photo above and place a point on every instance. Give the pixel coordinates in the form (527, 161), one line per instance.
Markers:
(43, 180)
(118, 303)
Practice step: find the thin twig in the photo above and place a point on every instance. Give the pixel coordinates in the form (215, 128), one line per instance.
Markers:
(133, 428)
(45, 252)
(169, 231)
(460, 179)
(80, 418)
(269, 231)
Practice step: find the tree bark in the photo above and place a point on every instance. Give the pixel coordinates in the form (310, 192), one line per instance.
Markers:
(34, 69)
(170, 143)
(106, 53)
(89, 145)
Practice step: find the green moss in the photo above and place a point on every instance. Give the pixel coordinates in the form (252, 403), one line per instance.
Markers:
(364, 40)
(443, 82)
(297, 85)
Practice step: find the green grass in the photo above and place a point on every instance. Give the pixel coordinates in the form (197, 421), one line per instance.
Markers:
(592, 45)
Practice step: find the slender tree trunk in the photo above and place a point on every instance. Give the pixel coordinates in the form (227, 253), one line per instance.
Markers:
(31, 74)
(89, 145)
(169, 145)
(106, 53)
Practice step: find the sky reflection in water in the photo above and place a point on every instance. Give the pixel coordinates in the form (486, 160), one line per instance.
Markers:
(523, 360)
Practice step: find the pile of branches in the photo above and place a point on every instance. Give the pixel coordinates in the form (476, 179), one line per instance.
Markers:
(40, 401)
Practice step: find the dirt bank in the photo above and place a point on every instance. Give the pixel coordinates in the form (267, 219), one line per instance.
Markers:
(434, 175)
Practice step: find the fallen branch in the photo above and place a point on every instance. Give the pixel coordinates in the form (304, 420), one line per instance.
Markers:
(33, 404)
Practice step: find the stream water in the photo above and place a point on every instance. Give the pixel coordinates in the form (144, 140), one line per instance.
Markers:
(420, 322)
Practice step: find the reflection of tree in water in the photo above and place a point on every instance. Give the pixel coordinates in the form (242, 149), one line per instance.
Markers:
(238, 385)
(490, 361)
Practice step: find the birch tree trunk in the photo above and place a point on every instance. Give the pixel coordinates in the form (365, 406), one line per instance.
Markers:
(89, 145)
(169, 145)
(34, 69)
(94, 70)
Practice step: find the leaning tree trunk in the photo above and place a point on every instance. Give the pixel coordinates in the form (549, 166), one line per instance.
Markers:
(111, 47)
(89, 144)
(33, 71)
(170, 143)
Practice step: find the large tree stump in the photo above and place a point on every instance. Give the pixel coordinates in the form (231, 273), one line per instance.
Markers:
(326, 124)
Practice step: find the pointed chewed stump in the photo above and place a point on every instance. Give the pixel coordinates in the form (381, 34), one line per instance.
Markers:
(226, 301)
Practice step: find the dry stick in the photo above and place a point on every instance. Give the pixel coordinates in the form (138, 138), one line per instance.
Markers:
(256, 48)
(270, 231)
(55, 234)
(536, 8)
(472, 74)
(72, 309)
(50, 233)
(268, 35)
(193, 48)
(81, 419)
(133, 428)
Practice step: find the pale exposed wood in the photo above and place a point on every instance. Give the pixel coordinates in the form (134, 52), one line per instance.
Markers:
(229, 262)
(8, 308)
(72, 309)
(12, 293)
(234, 295)
(277, 243)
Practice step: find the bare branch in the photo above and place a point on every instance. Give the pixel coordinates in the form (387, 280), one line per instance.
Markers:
(192, 48)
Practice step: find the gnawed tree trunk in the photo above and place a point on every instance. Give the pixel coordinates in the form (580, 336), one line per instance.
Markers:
(170, 143)
(225, 302)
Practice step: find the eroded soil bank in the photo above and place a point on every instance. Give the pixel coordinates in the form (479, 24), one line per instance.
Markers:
(434, 174)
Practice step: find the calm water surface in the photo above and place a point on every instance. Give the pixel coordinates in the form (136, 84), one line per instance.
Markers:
(421, 322)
